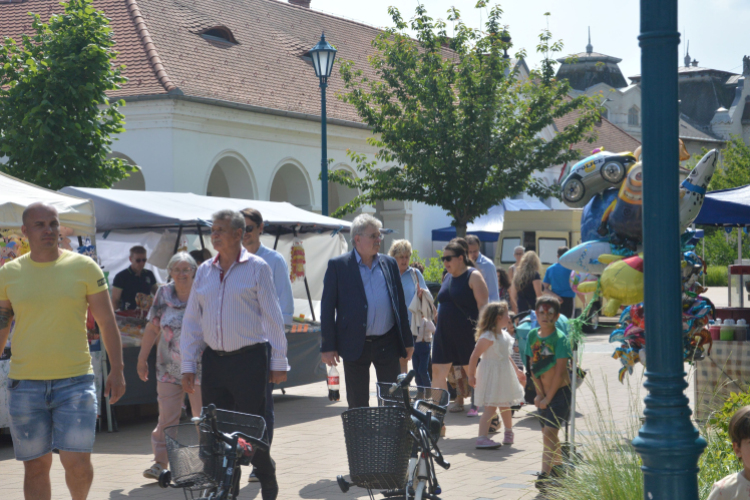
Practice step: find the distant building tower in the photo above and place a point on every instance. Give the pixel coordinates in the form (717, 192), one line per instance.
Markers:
(586, 69)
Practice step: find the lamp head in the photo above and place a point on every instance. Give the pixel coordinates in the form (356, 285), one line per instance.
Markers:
(323, 55)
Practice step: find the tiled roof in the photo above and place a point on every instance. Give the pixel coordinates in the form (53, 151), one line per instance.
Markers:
(691, 130)
(608, 135)
(15, 20)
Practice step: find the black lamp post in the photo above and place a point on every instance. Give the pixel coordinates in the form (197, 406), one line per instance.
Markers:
(323, 55)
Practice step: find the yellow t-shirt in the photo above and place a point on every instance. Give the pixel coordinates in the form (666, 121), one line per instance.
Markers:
(49, 305)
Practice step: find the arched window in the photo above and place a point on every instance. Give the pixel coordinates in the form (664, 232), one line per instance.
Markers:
(633, 116)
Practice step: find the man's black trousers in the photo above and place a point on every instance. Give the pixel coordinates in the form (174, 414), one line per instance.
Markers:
(239, 382)
(383, 352)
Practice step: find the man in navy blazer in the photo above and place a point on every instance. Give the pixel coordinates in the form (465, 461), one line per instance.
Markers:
(363, 313)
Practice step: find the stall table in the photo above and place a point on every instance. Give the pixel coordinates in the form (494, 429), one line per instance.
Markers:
(725, 370)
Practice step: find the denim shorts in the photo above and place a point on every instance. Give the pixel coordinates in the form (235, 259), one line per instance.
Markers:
(52, 414)
(558, 410)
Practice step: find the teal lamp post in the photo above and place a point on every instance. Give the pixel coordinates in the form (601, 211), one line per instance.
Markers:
(668, 443)
(323, 55)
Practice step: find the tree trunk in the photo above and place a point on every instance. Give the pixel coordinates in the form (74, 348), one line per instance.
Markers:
(460, 229)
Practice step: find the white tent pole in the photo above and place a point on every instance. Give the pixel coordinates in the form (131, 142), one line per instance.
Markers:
(573, 403)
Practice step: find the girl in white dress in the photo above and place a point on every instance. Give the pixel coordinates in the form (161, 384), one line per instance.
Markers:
(497, 382)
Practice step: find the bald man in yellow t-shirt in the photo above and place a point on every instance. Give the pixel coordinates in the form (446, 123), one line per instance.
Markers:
(52, 397)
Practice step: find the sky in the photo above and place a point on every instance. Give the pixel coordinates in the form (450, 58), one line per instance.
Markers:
(716, 29)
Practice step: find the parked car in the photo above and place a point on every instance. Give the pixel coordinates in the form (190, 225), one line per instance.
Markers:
(593, 175)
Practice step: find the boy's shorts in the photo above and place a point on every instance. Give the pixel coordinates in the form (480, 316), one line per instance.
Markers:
(52, 414)
(558, 410)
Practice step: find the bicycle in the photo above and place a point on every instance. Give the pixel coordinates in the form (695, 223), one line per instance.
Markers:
(205, 456)
(380, 454)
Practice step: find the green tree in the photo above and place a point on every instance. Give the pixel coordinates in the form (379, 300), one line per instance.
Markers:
(735, 169)
(56, 121)
(460, 124)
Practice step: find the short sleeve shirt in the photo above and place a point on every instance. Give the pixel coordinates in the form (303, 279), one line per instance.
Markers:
(131, 285)
(558, 277)
(49, 301)
(545, 351)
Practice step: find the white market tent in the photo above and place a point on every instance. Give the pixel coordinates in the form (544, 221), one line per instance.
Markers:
(75, 213)
(121, 209)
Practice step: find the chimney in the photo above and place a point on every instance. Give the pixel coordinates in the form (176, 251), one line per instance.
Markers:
(301, 3)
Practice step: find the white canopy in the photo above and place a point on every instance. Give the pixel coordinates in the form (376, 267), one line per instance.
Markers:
(75, 213)
(121, 209)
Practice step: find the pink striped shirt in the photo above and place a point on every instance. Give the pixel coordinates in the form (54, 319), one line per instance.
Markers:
(232, 310)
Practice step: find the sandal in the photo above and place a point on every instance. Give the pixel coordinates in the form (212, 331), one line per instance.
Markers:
(456, 408)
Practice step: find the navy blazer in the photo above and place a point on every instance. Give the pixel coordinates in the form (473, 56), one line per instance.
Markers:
(343, 312)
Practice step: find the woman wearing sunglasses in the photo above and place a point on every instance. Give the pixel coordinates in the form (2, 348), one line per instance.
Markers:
(461, 297)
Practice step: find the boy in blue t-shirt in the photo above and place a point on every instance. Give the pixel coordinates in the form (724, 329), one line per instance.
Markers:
(557, 281)
(549, 352)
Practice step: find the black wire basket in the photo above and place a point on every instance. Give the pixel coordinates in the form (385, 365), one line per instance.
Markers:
(378, 446)
(439, 397)
(196, 456)
(437, 411)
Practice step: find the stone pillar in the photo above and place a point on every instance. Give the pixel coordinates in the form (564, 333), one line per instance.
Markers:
(396, 215)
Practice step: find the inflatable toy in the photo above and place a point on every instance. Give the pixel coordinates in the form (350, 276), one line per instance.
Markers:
(693, 189)
(593, 175)
(621, 282)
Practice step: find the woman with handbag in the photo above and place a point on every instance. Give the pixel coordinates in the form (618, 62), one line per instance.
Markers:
(462, 294)
(414, 286)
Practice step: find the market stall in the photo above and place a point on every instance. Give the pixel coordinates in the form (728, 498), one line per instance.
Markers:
(165, 222)
(77, 219)
(727, 367)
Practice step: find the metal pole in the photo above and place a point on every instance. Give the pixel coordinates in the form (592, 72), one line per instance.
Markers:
(324, 149)
(668, 443)
(573, 384)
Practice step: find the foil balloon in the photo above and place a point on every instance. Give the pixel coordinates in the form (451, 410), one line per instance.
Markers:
(621, 283)
(584, 258)
(624, 218)
(693, 189)
(591, 218)
(578, 278)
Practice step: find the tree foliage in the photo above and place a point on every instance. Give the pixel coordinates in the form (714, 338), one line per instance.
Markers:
(56, 121)
(735, 169)
(453, 114)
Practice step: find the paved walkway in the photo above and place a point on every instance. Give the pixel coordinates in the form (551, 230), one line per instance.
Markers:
(309, 447)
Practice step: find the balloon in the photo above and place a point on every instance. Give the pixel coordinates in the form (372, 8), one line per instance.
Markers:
(621, 283)
(578, 278)
(693, 189)
(624, 218)
(591, 218)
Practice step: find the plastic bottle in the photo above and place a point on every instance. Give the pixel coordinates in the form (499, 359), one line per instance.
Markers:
(333, 384)
(740, 330)
(715, 329)
(727, 330)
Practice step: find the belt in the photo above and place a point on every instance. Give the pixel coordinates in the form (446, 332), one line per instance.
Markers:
(240, 350)
(374, 338)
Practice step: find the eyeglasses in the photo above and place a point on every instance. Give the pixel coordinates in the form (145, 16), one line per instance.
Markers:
(375, 236)
(140, 261)
(250, 229)
(448, 258)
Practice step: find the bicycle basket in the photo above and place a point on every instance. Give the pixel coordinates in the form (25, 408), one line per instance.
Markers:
(437, 411)
(232, 421)
(378, 446)
(192, 462)
(432, 395)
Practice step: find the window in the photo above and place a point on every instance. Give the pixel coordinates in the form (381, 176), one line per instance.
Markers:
(219, 34)
(548, 249)
(508, 245)
(633, 118)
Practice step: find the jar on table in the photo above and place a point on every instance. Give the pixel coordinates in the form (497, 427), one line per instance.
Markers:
(740, 330)
(727, 330)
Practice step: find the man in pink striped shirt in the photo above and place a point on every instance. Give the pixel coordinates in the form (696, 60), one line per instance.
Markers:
(232, 315)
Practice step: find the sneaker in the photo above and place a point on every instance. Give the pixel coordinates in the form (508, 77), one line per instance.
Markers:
(495, 424)
(485, 443)
(473, 412)
(508, 439)
(455, 408)
(542, 481)
(153, 472)
(252, 478)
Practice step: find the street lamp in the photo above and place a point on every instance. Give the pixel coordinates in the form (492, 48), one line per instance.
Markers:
(322, 56)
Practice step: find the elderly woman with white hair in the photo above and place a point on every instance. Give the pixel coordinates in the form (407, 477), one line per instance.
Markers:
(164, 328)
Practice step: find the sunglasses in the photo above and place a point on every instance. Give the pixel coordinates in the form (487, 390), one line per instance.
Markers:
(140, 261)
(448, 258)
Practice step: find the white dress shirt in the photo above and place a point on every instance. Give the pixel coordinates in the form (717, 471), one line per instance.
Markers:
(489, 273)
(232, 310)
(281, 280)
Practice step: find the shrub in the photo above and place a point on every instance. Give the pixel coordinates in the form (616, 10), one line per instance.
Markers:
(433, 267)
(717, 276)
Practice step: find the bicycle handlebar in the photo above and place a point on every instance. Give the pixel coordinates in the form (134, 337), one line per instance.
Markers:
(403, 381)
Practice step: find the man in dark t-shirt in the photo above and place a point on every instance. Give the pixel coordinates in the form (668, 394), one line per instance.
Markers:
(132, 281)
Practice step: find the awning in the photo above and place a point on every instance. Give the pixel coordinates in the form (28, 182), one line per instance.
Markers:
(118, 209)
(488, 227)
(727, 207)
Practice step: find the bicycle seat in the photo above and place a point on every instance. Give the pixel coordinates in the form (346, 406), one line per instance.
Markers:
(419, 417)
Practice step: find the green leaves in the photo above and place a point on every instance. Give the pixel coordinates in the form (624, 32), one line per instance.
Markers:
(461, 124)
(55, 126)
